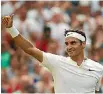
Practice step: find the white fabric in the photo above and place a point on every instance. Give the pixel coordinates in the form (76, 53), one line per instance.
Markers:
(7, 9)
(70, 78)
(57, 10)
(26, 27)
(13, 31)
(34, 15)
(75, 35)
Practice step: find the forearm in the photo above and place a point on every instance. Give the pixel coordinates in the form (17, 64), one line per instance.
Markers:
(19, 40)
(25, 45)
(22, 43)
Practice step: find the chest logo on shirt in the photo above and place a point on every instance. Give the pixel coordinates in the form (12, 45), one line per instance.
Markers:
(91, 70)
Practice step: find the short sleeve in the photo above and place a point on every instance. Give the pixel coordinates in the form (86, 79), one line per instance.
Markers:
(50, 61)
(98, 85)
(100, 78)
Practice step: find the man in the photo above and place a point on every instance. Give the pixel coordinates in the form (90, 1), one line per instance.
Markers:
(73, 74)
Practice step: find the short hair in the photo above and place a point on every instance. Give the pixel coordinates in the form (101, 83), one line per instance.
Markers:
(46, 28)
(77, 31)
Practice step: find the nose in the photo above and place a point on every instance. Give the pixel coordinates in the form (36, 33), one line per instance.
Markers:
(69, 47)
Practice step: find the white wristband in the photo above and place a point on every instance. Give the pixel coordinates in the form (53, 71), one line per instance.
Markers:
(13, 31)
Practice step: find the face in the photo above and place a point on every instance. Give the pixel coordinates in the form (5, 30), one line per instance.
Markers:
(24, 70)
(14, 62)
(74, 46)
(22, 13)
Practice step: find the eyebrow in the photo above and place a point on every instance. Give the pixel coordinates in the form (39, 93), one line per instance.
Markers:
(74, 41)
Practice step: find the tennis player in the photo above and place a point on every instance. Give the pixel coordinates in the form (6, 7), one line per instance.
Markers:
(72, 74)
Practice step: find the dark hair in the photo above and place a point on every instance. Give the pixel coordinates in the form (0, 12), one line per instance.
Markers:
(77, 31)
(46, 28)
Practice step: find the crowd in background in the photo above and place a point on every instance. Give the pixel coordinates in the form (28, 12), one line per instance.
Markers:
(44, 23)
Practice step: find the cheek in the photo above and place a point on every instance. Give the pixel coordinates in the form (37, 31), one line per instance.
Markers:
(78, 48)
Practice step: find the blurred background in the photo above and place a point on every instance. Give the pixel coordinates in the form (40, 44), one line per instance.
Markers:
(44, 24)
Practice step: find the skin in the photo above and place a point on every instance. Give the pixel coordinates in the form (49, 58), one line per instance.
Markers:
(74, 47)
(24, 44)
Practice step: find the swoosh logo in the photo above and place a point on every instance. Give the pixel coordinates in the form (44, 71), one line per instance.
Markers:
(91, 70)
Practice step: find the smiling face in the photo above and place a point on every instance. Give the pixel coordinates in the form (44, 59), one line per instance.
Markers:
(74, 46)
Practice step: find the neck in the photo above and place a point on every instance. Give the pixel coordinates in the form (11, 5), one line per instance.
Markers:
(79, 58)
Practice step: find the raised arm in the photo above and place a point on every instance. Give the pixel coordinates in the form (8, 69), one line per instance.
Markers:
(19, 40)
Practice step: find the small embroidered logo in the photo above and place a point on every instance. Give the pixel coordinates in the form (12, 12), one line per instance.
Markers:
(91, 70)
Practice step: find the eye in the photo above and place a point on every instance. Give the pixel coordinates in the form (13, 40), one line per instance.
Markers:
(73, 42)
(66, 43)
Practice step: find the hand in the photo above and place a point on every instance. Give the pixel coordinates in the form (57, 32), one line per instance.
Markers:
(7, 21)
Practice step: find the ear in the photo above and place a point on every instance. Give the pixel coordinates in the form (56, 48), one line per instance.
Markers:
(83, 44)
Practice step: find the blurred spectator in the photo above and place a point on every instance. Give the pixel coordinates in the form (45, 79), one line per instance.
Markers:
(7, 5)
(36, 73)
(45, 85)
(53, 47)
(6, 53)
(13, 68)
(44, 24)
(64, 7)
(28, 28)
(94, 55)
(24, 70)
(58, 27)
(97, 37)
(101, 54)
(42, 43)
(24, 58)
(36, 13)
(26, 85)
(95, 6)
(14, 84)
(101, 7)
(4, 81)
(10, 7)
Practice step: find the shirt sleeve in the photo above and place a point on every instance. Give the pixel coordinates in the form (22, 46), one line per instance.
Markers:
(98, 85)
(50, 61)
(99, 81)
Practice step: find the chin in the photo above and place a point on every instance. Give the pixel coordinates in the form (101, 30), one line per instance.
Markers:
(72, 55)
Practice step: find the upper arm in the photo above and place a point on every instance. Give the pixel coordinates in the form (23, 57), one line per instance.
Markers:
(51, 61)
(36, 53)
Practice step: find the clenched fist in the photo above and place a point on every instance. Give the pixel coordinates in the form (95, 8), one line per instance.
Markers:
(7, 21)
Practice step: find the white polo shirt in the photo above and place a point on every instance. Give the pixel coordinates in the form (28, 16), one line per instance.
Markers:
(71, 78)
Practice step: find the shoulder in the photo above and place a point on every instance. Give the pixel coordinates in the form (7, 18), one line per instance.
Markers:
(59, 57)
(94, 65)
(53, 59)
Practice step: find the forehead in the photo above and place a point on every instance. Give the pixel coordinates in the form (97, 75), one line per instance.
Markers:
(69, 39)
